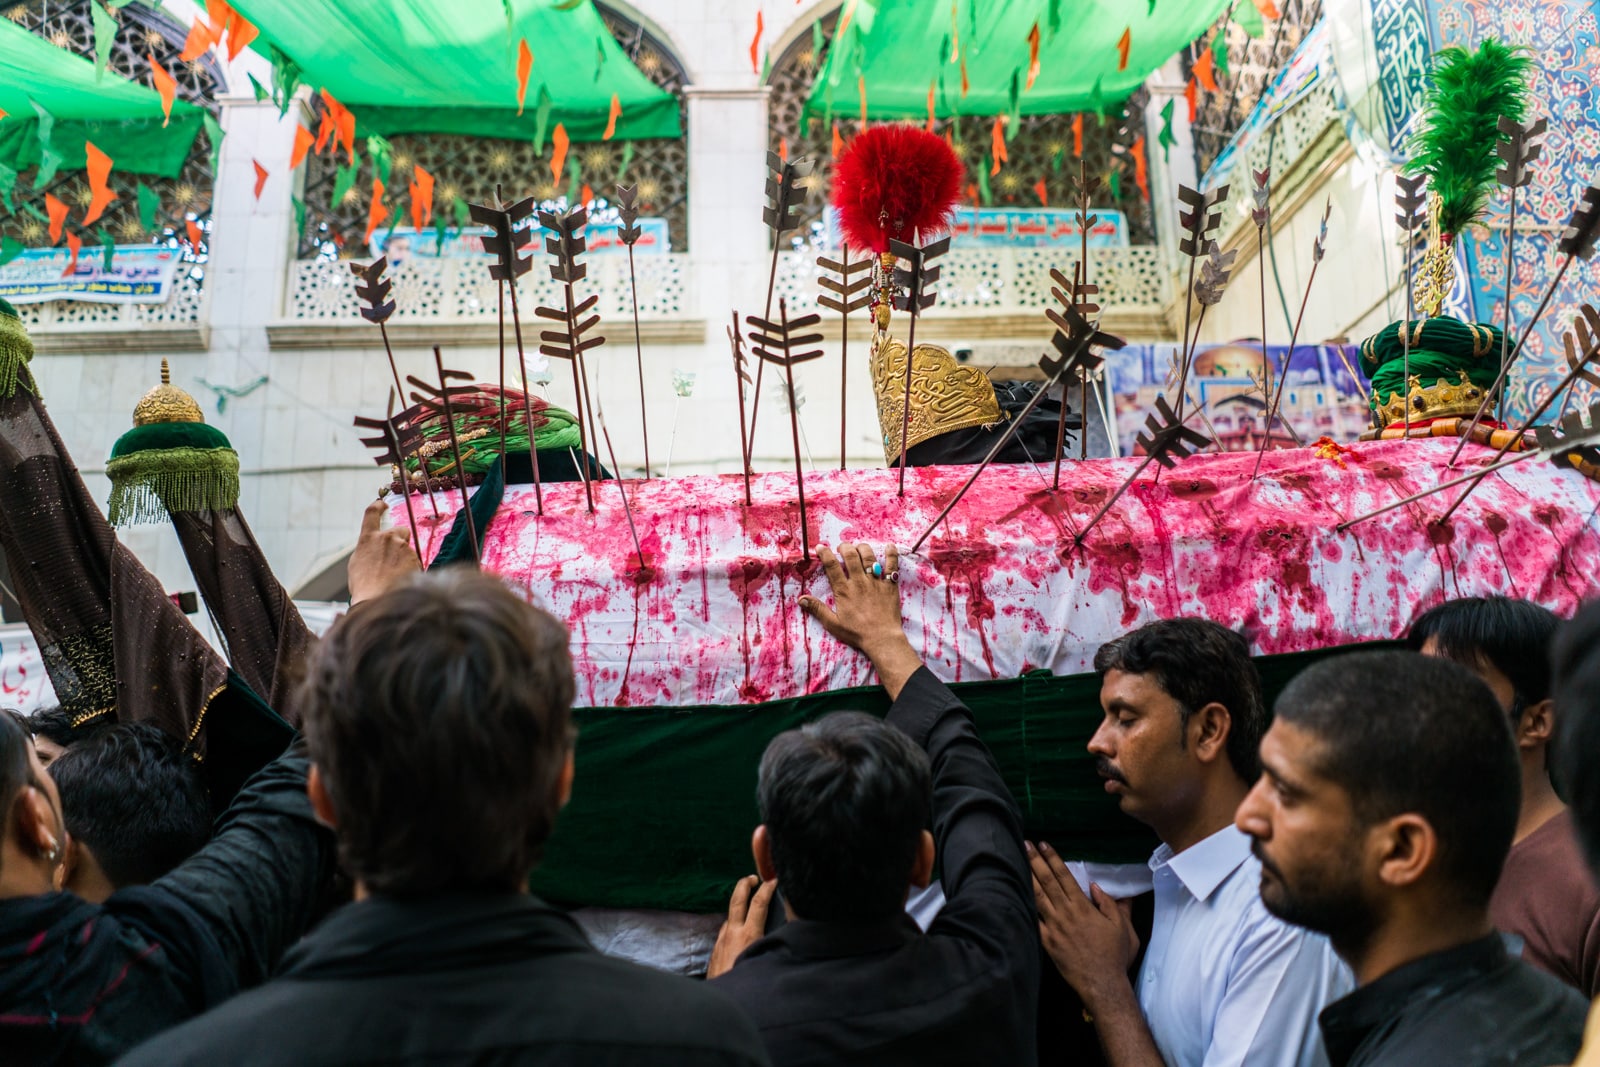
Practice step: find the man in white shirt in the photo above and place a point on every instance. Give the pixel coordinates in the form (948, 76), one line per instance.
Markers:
(1223, 981)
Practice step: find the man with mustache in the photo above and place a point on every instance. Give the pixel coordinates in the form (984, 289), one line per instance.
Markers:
(1223, 981)
(1386, 807)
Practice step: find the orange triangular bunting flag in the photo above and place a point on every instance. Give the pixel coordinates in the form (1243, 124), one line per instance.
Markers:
(837, 144)
(997, 145)
(861, 90)
(558, 151)
(57, 210)
(929, 126)
(965, 85)
(1033, 56)
(195, 236)
(98, 166)
(196, 44)
(1268, 9)
(166, 85)
(1205, 70)
(376, 212)
(1191, 94)
(1141, 169)
(421, 197)
(586, 195)
(755, 45)
(303, 141)
(241, 31)
(1124, 43)
(1043, 192)
(611, 122)
(783, 149)
(524, 68)
(261, 177)
(1077, 135)
(74, 245)
(218, 12)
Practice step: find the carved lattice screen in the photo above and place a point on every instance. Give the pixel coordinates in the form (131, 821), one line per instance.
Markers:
(469, 167)
(1043, 149)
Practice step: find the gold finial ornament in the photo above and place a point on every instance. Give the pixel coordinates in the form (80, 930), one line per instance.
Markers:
(1438, 401)
(166, 403)
(1436, 275)
(946, 395)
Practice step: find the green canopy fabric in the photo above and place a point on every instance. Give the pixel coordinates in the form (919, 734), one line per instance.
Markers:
(903, 47)
(450, 66)
(121, 118)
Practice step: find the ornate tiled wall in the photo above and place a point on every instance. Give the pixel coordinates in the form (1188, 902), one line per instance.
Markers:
(1563, 37)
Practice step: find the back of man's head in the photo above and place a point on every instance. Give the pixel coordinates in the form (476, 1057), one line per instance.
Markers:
(844, 800)
(1576, 664)
(1510, 636)
(1198, 662)
(132, 797)
(1405, 733)
(54, 731)
(439, 720)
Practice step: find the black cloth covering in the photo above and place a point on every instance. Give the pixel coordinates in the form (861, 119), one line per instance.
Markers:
(1034, 442)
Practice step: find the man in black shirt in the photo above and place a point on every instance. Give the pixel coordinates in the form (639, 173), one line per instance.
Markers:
(1384, 812)
(850, 979)
(438, 719)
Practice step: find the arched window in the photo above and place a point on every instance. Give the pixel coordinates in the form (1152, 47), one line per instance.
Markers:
(468, 168)
(141, 32)
(1042, 150)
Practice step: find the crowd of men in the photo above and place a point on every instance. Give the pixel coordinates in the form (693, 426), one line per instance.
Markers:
(1385, 867)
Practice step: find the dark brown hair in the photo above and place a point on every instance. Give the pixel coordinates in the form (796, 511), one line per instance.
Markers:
(439, 716)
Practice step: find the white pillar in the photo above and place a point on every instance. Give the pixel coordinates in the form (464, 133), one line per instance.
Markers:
(727, 180)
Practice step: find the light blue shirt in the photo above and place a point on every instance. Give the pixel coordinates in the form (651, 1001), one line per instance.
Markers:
(1224, 982)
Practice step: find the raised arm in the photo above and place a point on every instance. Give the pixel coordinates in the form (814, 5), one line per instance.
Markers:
(977, 828)
(256, 886)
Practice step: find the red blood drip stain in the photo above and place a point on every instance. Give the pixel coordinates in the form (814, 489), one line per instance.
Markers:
(1387, 471)
(1495, 522)
(1441, 533)
(970, 565)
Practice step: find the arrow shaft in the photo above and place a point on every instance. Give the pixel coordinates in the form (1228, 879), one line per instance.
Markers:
(994, 451)
(579, 380)
(455, 451)
(1505, 364)
(1277, 394)
(527, 401)
(1414, 497)
(1544, 406)
(422, 464)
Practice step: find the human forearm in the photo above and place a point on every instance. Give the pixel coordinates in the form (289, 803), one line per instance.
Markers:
(1124, 1035)
(258, 882)
(894, 659)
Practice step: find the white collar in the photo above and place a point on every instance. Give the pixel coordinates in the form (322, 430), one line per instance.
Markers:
(1205, 865)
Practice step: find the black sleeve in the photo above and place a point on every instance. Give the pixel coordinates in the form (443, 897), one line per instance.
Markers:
(257, 885)
(977, 828)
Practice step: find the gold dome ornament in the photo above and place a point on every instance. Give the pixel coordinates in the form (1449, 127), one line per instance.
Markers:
(166, 403)
(170, 461)
(946, 395)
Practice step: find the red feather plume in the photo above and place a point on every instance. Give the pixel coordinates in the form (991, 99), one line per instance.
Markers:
(895, 181)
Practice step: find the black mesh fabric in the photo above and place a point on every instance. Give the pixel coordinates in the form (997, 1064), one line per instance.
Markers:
(111, 639)
(262, 631)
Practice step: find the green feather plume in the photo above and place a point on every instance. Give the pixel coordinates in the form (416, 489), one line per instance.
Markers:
(1455, 147)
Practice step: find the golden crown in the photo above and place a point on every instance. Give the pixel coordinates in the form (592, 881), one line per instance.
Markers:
(1438, 401)
(945, 394)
